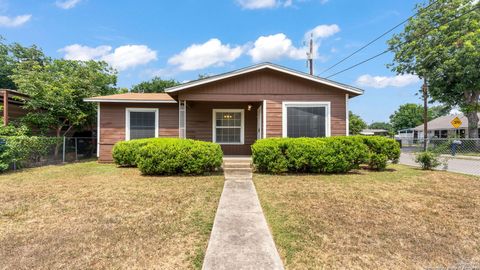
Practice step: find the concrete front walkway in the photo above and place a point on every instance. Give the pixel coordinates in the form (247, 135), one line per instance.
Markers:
(240, 236)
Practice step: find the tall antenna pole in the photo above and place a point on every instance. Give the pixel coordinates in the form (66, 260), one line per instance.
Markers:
(310, 55)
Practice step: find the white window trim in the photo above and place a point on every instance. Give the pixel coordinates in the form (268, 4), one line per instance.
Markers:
(127, 119)
(325, 104)
(242, 125)
(182, 131)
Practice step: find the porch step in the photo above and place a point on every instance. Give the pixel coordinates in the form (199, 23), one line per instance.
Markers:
(237, 165)
(237, 168)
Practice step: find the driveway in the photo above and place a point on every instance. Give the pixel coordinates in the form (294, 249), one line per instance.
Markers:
(458, 165)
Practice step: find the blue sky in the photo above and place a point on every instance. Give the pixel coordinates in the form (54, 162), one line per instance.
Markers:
(183, 38)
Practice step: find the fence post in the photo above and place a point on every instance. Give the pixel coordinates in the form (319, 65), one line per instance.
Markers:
(63, 156)
(76, 152)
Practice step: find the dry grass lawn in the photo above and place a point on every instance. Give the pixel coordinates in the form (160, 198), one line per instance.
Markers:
(89, 215)
(400, 219)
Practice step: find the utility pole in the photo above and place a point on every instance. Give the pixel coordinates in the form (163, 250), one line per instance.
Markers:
(425, 113)
(310, 56)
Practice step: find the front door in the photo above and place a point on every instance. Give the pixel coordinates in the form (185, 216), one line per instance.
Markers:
(259, 122)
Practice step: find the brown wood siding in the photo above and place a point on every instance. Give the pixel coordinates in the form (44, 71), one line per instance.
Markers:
(199, 123)
(15, 110)
(112, 124)
(274, 87)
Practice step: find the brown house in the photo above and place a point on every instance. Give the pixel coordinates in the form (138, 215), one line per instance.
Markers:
(12, 105)
(232, 109)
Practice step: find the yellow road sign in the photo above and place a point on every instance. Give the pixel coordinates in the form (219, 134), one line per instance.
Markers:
(456, 122)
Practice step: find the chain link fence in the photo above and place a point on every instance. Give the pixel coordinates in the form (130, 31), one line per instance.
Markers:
(456, 154)
(18, 152)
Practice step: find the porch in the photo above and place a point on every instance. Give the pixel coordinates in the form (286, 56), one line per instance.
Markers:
(233, 125)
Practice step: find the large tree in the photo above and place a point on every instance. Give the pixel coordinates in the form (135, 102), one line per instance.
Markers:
(442, 45)
(355, 123)
(57, 90)
(13, 54)
(407, 116)
(155, 85)
(410, 115)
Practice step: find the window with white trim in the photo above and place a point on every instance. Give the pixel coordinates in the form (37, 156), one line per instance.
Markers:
(306, 119)
(141, 123)
(228, 126)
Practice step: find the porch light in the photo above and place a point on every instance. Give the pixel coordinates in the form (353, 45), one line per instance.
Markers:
(249, 107)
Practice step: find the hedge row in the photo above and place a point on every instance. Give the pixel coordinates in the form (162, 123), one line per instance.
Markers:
(323, 155)
(23, 151)
(168, 156)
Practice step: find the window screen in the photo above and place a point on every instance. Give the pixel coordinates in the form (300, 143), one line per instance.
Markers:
(142, 125)
(306, 122)
(228, 127)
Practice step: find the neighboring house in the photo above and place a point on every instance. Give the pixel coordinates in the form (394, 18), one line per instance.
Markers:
(374, 132)
(12, 102)
(407, 136)
(442, 128)
(232, 109)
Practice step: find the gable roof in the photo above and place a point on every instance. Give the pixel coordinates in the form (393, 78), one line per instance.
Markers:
(443, 122)
(263, 66)
(134, 98)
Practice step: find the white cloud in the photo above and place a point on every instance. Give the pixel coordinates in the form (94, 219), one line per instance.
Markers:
(84, 53)
(385, 81)
(129, 56)
(273, 47)
(257, 4)
(210, 53)
(122, 58)
(67, 4)
(14, 21)
(322, 31)
(262, 4)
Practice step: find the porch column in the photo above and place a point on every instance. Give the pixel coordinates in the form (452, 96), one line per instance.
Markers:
(5, 107)
(347, 117)
(98, 129)
(264, 119)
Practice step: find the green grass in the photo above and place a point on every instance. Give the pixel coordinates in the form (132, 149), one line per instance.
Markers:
(89, 215)
(403, 218)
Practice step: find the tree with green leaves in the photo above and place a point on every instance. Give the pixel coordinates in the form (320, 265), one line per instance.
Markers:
(13, 54)
(438, 111)
(57, 89)
(410, 115)
(355, 123)
(155, 85)
(407, 116)
(442, 45)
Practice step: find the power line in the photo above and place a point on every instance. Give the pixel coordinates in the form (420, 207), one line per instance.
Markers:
(377, 38)
(406, 41)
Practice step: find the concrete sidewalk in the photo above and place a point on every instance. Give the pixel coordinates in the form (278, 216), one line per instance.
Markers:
(240, 236)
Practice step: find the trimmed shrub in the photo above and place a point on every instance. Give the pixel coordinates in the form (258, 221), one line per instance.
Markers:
(268, 155)
(427, 160)
(23, 151)
(318, 155)
(378, 162)
(382, 150)
(323, 155)
(178, 156)
(124, 153)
